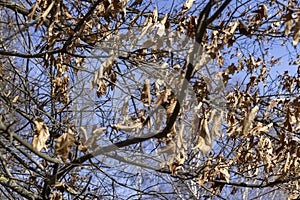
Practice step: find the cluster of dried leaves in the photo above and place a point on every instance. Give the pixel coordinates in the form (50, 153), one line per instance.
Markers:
(217, 116)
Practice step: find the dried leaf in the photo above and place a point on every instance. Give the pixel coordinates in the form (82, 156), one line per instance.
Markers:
(263, 10)
(187, 5)
(155, 15)
(243, 29)
(204, 141)
(224, 171)
(64, 143)
(146, 98)
(41, 134)
(84, 134)
(169, 149)
(133, 126)
(296, 29)
(161, 27)
(15, 99)
(32, 10)
(55, 195)
(248, 120)
(148, 43)
(233, 26)
(92, 141)
(101, 83)
(288, 23)
(44, 15)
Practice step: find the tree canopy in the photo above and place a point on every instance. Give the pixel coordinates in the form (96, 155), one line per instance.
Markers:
(123, 99)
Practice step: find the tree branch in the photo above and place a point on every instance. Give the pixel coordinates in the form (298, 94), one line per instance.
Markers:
(4, 129)
(19, 189)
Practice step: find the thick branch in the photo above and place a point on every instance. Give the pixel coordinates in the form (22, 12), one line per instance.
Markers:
(18, 189)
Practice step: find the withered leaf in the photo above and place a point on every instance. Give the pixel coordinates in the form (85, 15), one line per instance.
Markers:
(161, 26)
(146, 98)
(92, 141)
(204, 141)
(224, 171)
(187, 5)
(32, 10)
(296, 29)
(64, 143)
(135, 125)
(41, 134)
(250, 115)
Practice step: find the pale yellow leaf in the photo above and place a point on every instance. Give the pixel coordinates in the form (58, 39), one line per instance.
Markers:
(133, 126)
(32, 10)
(44, 15)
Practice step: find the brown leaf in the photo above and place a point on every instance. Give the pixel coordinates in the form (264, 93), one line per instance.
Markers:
(187, 5)
(55, 195)
(146, 98)
(288, 23)
(250, 115)
(204, 141)
(64, 143)
(243, 29)
(296, 29)
(44, 15)
(101, 83)
(224, 171)
(41, 134)
(155, 15)
(32, 10)
(220, 61)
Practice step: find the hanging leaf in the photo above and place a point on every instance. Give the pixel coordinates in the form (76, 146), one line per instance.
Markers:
(187, 5)
(204, 141)
(225, 173)
(32, 10)
(64, 143)
(155, 15)
(161, 26)
(92, 141)
(41, 134)
(146, 98)
(248, 120)
(296, 29)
